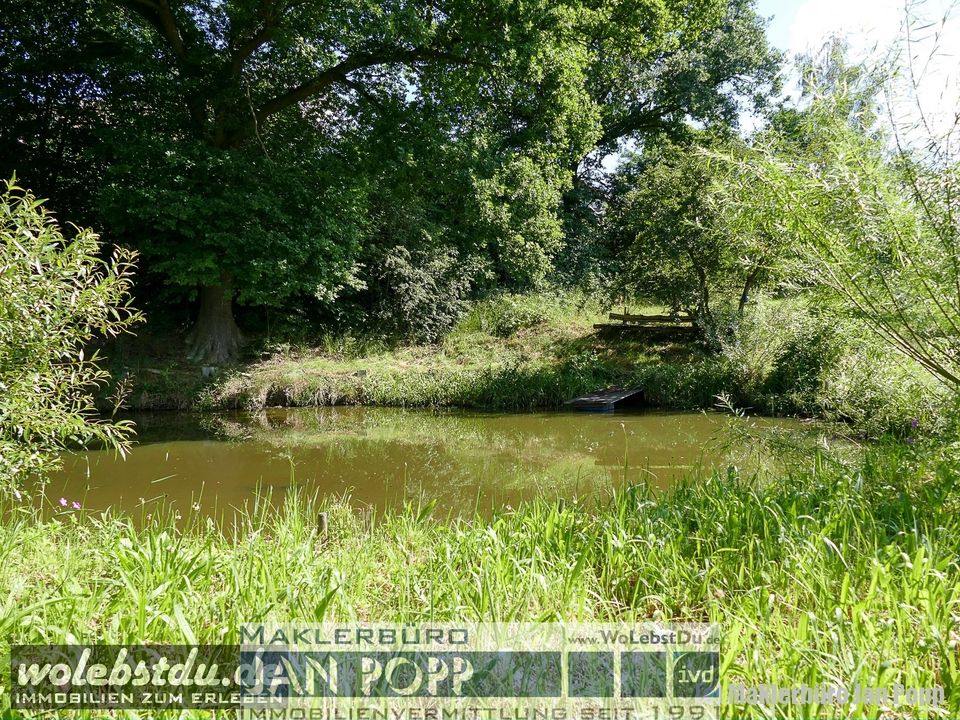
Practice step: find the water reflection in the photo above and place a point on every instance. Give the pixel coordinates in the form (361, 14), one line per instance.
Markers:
(383, 457)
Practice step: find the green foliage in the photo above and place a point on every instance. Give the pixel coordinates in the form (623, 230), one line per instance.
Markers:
(281, 150)
(876, 392)
(447, 224)
(666, 246)
(505, 315)
(788, 357)
(56, 297)
(427, 292)
(672, 239)
(47, 128)
(517, 211)
(658, 65)
(795, 357)
(878, 234)
(784, 349)
(654, 69)
(275, 223)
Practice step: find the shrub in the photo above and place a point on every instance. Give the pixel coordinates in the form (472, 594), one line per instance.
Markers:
(505, 315)
(786, 357)
(420, 294)
(878, 392)
(56, 296)
(781, 352)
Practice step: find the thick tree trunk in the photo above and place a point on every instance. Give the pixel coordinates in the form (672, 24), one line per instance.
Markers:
(745, 295)
(215, 338)
(703, 304)
(703, 291)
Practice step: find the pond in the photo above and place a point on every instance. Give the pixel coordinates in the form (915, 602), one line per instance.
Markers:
(383, 457)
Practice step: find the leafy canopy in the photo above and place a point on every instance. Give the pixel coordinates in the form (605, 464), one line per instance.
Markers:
(672, 235)
(352, 152)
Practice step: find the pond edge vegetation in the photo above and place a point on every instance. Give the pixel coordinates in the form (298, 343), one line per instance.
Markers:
(833, 573)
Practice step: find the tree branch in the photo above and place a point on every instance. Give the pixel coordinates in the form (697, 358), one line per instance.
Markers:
(161, 18)
(269, 27)
(159, 15)
(638, 119)
(250, 46)
(339, 74)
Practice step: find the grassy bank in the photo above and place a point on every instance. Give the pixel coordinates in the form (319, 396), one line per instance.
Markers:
(515, 353)
(827, 573)
(525, 352)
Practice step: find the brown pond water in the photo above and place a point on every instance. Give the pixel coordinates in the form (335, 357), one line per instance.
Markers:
(383, 457)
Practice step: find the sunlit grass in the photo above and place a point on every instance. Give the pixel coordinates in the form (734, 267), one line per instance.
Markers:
(830, 573)
(517, 352)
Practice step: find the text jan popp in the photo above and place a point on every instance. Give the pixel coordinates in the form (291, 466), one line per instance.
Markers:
(892, 696)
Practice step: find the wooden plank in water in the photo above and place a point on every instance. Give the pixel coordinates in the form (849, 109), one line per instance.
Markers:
(607, 400)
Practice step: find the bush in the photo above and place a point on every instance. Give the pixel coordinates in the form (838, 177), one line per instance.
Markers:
(505, 315)
(56, 296)
(781, 351)
(420, 294)
(877, 392)
(786, 357)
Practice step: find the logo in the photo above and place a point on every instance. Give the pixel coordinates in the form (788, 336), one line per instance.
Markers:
(557, 670)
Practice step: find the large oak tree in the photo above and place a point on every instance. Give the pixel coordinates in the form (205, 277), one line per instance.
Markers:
(234, 142)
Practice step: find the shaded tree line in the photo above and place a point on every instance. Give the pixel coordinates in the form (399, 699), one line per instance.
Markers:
(381, 163)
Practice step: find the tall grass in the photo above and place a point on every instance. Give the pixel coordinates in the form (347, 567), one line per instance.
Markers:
(826, 574)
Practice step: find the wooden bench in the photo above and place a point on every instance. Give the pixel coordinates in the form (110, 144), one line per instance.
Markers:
(653, 319)
(672, 323)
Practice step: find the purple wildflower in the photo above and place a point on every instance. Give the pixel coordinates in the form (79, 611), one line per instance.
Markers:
(63, 501)
(914, 423)
(76, 505)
